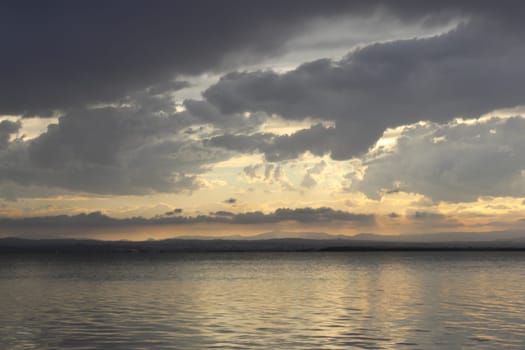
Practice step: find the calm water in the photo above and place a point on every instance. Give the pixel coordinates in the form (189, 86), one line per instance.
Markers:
(264, 301)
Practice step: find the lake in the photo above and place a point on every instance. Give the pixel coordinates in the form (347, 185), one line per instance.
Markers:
(345, 300)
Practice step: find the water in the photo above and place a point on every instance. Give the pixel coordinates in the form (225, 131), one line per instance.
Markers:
(377, 300)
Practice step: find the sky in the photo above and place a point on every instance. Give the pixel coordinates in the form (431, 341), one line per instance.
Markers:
(155, 119)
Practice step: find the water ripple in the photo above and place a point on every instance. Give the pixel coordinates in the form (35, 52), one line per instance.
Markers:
(262, 301)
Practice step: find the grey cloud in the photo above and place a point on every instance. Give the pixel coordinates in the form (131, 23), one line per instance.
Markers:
(269, 171)
(426, 215)
(7, 128)
(303, 215)
(251, 170)
(392, 191)
(135, 148)
(453, 162)
(241, 143)
(165, 87)
(68, 54)
(206, 113)
(97, 219)
(230, 201)
(139, 144)
(317, 139)
(222, 213)
(94, 219)
(174, 212)
(466, 72)
(308, 179)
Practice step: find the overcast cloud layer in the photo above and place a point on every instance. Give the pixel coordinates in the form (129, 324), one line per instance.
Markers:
(68, 54)
(117, 75)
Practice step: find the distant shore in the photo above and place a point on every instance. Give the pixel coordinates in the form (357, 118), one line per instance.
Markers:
(18, 245)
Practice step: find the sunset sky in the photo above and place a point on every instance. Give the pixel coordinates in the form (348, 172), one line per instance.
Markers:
(154, 119)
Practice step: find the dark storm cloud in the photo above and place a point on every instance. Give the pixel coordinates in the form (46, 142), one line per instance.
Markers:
(62, 54)
(476, 68)
(97, 219)
(59, 54)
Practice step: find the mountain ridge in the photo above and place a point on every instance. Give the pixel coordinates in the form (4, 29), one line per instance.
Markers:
(510, 240)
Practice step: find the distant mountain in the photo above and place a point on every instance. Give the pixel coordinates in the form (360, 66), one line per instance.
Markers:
(303, 235)
(272, 235)
(363, 242)
(444, 237)
(421, 237)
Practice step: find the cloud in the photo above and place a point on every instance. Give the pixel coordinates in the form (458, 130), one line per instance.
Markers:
(222, 213)
(69, 54)
(317, 139)
(97, 219)
(174, 212)
(308, 179)
(114, 84)
(139, 144)
(303, 215)
(98, 52)
(7, 128)
(471, 70)
(426, 215)
(135, 147)
(230, 201)
(485, 158)
(206, 113)
(251, 170)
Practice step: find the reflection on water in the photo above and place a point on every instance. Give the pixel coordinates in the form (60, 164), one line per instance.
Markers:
(357, 300)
